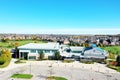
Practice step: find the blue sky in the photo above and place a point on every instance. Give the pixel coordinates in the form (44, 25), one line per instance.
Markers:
(60, 16)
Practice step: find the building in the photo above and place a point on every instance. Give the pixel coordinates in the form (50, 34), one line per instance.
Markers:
(32, 50)
(71, 51)
(94, 53)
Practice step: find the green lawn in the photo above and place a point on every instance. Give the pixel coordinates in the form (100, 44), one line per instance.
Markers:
(117, 68)
(56, 78)
(20, 42)
(113, 49)
(23, 76)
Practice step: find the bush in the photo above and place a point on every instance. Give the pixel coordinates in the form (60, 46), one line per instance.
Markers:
(112, 56)
(2, 59)
(87, 62)
(4, 40)
(118, 60)
(5, 57)
(42, 55)
(68, 61)
(57, 55)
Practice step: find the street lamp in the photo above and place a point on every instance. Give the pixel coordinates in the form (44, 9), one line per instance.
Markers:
(30, 68)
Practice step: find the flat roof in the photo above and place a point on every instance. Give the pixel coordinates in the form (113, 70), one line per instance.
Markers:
(53, 46)
(76, 48)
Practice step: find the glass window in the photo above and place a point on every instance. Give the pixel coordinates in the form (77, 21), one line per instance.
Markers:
(33, 51)
(39, 51)
(77, 51)
(32, 57)
(47, 51)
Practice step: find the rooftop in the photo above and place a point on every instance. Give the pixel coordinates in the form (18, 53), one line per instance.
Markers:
(54, 46)
(74, 48)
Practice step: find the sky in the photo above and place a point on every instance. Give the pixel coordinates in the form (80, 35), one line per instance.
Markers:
(60, 16)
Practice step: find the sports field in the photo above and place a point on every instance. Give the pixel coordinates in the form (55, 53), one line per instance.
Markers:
(113, 49)
(13, 43)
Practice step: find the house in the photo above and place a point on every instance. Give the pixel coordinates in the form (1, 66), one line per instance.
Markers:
(66, 41)
(94, 53)
(32, 50)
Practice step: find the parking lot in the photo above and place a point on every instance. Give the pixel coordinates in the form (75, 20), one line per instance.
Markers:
(71, 71)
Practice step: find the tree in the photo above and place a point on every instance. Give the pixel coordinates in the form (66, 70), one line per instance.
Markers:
(17, 44)
(118, 60)
(16, 52)
(10, 45)
(4, 40)
(57, 55)
(34, 37)
(5, 56)
(42, 55)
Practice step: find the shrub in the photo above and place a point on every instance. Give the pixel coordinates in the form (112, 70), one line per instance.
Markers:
(57, 55)
(5, 57)
(68, 61)
(16, 44)
(111, 55)
(118, 60)
(2, 59)
(87, 62)
(42, 55)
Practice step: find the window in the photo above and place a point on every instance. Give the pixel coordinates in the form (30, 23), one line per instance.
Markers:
(77, 51)
(32, 57)
(47, 51)
(33, 51)
(39, 51)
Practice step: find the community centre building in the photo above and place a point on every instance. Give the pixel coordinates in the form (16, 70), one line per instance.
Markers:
(33, 50)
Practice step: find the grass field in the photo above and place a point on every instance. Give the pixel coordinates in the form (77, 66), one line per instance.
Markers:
(113, 49)
(10, 44)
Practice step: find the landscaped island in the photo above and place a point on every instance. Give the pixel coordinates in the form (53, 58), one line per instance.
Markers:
(22, 76)
(56, 78)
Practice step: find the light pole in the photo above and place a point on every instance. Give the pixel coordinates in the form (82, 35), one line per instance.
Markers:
(51, 72)
(30, 68)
